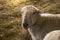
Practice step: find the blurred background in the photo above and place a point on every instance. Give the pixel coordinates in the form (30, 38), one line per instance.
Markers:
(10, 16)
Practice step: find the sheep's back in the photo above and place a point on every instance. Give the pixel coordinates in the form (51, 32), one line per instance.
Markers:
(49, 22)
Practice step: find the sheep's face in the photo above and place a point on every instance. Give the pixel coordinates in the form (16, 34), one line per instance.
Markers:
(29, 16)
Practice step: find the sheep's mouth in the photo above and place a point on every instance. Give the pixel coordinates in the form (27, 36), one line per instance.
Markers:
(25, 25)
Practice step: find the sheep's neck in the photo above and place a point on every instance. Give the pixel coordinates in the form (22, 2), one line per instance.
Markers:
(35, 32)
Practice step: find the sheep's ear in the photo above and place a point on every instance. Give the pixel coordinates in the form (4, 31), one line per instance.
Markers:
(39, 11)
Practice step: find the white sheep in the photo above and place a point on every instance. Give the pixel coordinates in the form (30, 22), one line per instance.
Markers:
(54, 35)
(39, 23)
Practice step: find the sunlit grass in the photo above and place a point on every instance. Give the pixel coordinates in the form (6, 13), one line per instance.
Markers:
(16, 2)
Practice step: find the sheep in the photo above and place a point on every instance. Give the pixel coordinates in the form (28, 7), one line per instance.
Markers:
(39, 23)
(53, 35)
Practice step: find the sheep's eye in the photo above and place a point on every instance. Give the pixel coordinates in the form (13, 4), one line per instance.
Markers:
(33, 12)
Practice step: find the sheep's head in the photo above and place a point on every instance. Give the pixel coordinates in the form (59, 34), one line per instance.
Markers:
(29, 15)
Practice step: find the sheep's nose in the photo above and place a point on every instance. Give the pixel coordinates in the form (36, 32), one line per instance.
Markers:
(25, 25)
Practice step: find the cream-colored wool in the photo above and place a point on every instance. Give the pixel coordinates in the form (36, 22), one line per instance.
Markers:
(54, 35)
